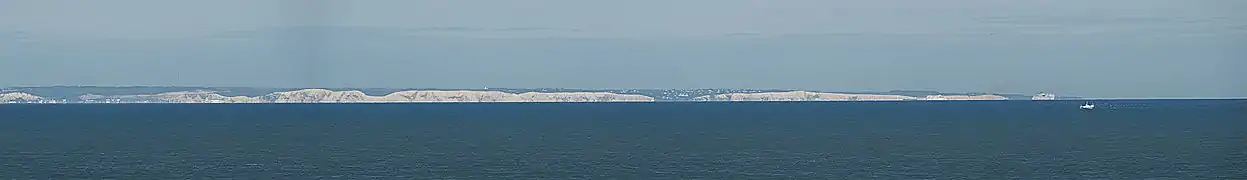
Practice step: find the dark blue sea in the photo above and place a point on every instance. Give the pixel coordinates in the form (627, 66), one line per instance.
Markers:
(1123, 139)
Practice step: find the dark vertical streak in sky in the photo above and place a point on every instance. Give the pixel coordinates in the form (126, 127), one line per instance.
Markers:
(305, 46)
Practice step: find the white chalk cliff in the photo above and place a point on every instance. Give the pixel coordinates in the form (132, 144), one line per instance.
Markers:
(201, 97)
(820, 96)
(963, 97)
(329, 96)
(802, 96)
(18, 96)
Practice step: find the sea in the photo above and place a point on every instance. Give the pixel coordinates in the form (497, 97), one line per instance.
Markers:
(1120, 139)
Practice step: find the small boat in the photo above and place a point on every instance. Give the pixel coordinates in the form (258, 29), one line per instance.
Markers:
(1087, 106)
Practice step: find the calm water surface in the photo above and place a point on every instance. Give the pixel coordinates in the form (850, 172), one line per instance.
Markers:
(1161, 139)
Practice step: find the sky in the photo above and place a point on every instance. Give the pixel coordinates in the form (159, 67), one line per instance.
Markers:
(1103, 48)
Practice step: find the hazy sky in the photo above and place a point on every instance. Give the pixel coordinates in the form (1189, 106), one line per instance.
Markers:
(1103, 48)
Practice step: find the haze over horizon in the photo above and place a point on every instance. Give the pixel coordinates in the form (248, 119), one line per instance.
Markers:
(1112, 48)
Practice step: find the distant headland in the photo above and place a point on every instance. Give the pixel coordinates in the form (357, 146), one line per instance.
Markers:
(155, 94)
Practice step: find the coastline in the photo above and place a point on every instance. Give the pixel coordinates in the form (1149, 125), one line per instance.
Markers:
(209, 95)
(646, 102)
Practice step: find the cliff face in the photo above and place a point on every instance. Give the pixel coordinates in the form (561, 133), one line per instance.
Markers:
(802, 96)
(818, 96)
(455, 96)
(18, 96)
(329, 96)
(355, 96)
(317, 96)
(583, 97)
(200, 97)
(963, 97)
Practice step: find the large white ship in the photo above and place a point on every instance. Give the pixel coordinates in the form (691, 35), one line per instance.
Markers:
(1044, 96)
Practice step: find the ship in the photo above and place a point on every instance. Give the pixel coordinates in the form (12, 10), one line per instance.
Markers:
(1044, 96)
